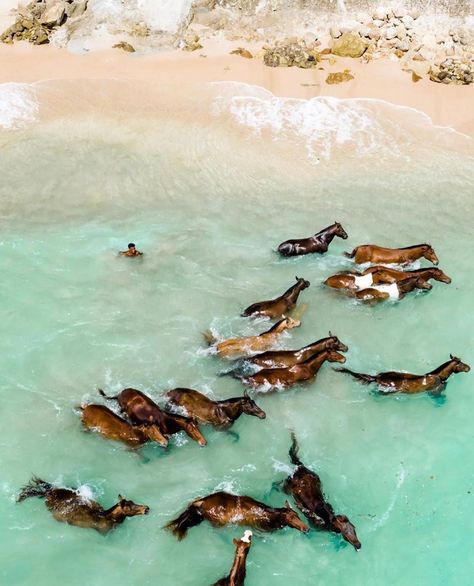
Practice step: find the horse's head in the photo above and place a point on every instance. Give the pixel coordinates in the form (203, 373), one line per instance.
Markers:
(421, 283)
(249, 407)
(194, 432)
(430, 254)
(334, 356)
(153, 433)
(292, 520)
(243, 544)
(459, 365)
(339, 230)
(303, 283)
(342, 525)
(334, 343)
(129, 508)
(290, 323)
(438, 275)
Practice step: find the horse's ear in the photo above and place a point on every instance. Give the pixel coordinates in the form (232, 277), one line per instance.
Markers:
(287, 505)
(330, 334)
(120, 497)
(236, 541)
(451, 356)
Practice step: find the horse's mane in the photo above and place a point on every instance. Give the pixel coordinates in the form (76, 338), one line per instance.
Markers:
(415, 246)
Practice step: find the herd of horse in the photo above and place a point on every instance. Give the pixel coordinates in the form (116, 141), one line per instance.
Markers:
(257, 364)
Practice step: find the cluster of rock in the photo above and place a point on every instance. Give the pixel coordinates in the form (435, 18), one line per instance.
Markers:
(41, 18)
(293, 52)
(453, 71)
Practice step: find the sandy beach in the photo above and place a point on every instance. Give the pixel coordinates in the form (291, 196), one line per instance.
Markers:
(446, 105)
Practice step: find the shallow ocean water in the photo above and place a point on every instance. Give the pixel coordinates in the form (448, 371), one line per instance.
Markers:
(207, 187)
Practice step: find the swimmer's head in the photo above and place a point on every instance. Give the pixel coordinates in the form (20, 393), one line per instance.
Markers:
(131, 245)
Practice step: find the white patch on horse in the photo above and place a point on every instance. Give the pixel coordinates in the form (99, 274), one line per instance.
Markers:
(364, 281)
(391, 289)
(247, 536)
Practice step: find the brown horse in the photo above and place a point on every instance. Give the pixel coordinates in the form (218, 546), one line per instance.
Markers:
(305, 487)
(141, 410)
(402, 382)
(239, 347)
(286, 377)
(281, 305)
(318, 243)
(380, 275)
(68, 506)
(222, 508)
(238, 570)
(287, 358)
(378, 254)
(220, 414)
(394, 291)
(109, 424)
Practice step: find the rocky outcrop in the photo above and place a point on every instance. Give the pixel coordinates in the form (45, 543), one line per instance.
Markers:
(453, 72)
(339, 77)
(41, 18)
(349, 45)
(292, 53)
(124, 46)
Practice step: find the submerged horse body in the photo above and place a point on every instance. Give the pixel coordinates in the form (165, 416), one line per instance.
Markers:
(101, 419)
(402, 382)
(68, 506)
(393, 291)
(239, 347)
(380, 275)
(378, 254)
(142, 410)
(305, 487)
(237, 574)
(286, 377)
(281, 305)
(223, 508)
(220, 414)
(319, 243)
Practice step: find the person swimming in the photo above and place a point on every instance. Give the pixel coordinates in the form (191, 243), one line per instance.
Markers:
(132, 251)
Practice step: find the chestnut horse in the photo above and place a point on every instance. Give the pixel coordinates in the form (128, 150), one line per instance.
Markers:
(281, 305)
(287, 358)
(394, 291)
(220, 414)
(141, 410)
(237, 573)
(379, 254)
(403, 382)
(222, 508)
(68, 506)
(238, 347)
(110, 425)
(318, 243)
(286, 377)
(305, 487)
(380, 275)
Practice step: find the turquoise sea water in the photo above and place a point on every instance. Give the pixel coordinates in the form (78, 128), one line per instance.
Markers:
(208, 193)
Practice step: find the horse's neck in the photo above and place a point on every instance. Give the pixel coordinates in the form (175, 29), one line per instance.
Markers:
(114, 514)
(315, 363)
(237, 573)
(293, 292)
(407, 286)
(445, 370)
(326, 235)
(232, 408)
(313, 347)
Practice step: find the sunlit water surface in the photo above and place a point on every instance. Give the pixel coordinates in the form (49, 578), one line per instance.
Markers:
(208, 186)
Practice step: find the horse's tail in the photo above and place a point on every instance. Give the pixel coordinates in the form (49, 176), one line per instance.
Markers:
(350, 254)
(35, 487)
(293, 453)
(365, 378)
(209, 337)
(189, 518)
(101, 392)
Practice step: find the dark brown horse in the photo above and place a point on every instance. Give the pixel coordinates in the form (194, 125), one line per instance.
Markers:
(394, 291)
(380, 275)
(402, 382)
(238, 347)
(286, 377)
(281, 305)
(141, 410)
(305, 487)
(110, 425)
(68, 506)
(222, 508)
(318, 243)
(220, 414)
(287, 358)
(378, 254)
(237, 573)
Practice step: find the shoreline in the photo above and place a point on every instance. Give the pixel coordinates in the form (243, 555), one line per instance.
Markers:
(383, 79)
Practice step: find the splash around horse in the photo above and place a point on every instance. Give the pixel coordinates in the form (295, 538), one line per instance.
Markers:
(319, 243)
(220, 414)
(403, 382)
(276, 308)
(223, 508)
(67, 506)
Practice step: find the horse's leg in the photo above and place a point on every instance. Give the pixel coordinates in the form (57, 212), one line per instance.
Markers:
(233, 434)
(277, 485)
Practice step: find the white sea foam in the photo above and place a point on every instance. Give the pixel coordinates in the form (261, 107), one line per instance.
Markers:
(18, 105)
